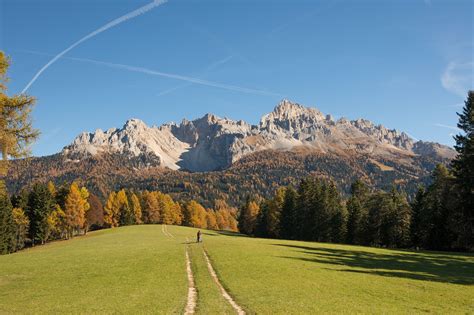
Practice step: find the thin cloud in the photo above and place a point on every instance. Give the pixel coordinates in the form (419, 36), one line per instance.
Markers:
(222, 44)
(224, 86)
(211, 67)
(448, 127)
(179, 77)
(117, 21)
(458, 78)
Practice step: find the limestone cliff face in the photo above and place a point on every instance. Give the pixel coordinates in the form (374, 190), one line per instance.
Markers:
(212, 143)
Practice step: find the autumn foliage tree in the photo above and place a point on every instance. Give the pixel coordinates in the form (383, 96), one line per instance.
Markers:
(136, 208)
(16, 130)
(126, 215)
(16, 133)
(248, 217)
(111, 211)
(21, 225)
(150, 208)
(194, 215)
(76, 207)
(95, 215)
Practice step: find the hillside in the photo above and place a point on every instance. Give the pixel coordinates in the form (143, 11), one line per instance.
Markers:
(213, 157)
(146, 266)
(259, 173)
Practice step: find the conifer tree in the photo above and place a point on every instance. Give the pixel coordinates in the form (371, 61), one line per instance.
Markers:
(58, 223)
(397, 220)
(75, 209)
(419, 227)
(463, 169)
(16, 134)
(261, 225)
(150, 208)
(166, 206)
(112, 211)
(136, 208)
(211, 221)
(21, 225)
(221, 220)
(95, 215)
(194, 215)
(338, 214)
(40, 205)
(304, 212)
(127, 217)
(248, 217)
(16, 130)
(357, 212)
(288, 221)
(20, 200)
(177, 214)
(7, 231)
(438, 210)
(268, 219)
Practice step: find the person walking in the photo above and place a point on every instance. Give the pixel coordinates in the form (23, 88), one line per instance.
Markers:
(199, 237)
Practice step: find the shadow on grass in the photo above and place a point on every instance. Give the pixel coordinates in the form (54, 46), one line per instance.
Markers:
(428, 266)
(229, 233)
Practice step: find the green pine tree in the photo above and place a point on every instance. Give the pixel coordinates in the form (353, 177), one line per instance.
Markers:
(40, 205)
(357, 212)
(7, 230)
(418, 228)
(463, 169)
(288, 220)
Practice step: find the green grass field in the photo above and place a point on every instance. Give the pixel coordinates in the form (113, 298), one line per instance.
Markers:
(139, 269)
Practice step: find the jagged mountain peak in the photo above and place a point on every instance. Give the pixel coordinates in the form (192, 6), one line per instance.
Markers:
(287, 109)
(134, 123)
(208, 118)
(210, 142)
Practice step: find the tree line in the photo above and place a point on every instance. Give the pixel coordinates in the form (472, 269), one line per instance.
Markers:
(47, 213)
(316, 211)
(126, 207)
(441, 216)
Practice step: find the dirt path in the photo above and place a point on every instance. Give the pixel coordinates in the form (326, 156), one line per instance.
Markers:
(164, 229)
(224, 293)
(192, 292)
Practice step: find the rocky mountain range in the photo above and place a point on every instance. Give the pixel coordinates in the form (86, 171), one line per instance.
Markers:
(212, 143)
(213, 158)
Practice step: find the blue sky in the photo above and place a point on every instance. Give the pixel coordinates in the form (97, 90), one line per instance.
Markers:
(406, 64)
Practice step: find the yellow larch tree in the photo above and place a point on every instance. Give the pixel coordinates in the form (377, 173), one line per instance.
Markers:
(16, 130)
(111, 211)
(75, 208)
(136, 208)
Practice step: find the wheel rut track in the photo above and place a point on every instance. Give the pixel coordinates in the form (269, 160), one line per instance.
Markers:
(239, 310)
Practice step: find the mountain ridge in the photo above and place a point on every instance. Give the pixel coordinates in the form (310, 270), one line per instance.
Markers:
(212, 143)
(213, 158)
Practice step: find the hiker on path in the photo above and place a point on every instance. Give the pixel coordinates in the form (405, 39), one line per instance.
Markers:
(199, 237)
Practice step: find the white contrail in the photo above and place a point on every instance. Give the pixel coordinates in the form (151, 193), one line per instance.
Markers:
(209, 68)
(111, 24)
(178, 77)
(168, 75)
(448, 127)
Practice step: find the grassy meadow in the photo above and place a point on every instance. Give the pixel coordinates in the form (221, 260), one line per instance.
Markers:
(121, 270)
(138, 269)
